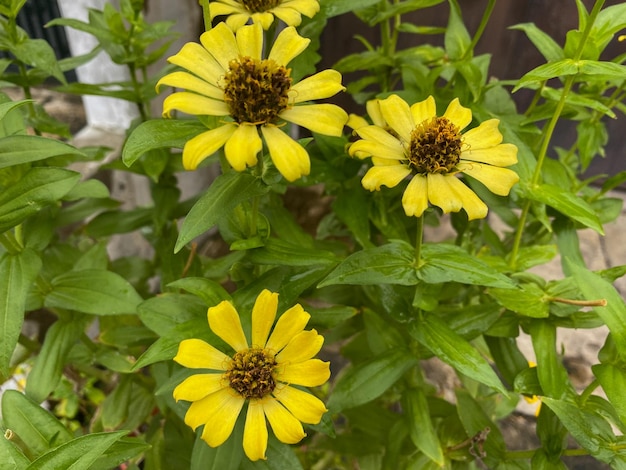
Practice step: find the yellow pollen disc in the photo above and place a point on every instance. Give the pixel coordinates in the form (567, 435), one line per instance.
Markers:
(435, 146)
(256, 91)
(251, 373)
(259, 6)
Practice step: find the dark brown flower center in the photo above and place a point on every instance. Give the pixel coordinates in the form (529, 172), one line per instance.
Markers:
(251, 373)
(259, 6)
(435, 146)
(256, 91)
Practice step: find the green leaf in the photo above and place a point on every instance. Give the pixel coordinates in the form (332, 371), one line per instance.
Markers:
(332, 8)
(228, 456)
(456, 39)
(392, 263)
(94, 291)
(159, 133)
(368, 380)
(566, 203)
(547, 71)
(591, 431)
(164, 312)
(120, 452)
(79, 453)
(542, 41)
(17, 273)
(39, 187)
(48, 367)
(276, 251)
(210, 291)
(613, 381)
(435, 335)
(38, 53)
(528, 300)
(16, 149)
(349, 206)
(445, 263)
(421, 428)
(550, 370)
(10, 454)
(592, 287)
(9, 106)
(279, 457)
(36, 427)
(225, 193)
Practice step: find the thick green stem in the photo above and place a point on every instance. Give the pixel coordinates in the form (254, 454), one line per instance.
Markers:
(419, 236)
(11, 243)
(205, 14)
(548, 131)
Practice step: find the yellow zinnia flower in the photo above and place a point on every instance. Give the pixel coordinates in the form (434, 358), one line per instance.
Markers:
(263, 11)
(413, 141)
(230, 79)
(260, 373)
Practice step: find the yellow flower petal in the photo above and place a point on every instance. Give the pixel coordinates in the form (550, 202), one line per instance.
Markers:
(373, 109)
(309, 373)
(285, 425)
(224, 404)
(196, 354)
(287, 46)
(304, 406)
(397, 114)
(287, 15)
(264, 18)
(498, 180)
(302, 347)
(457, 114)
(484, 136)
(288, 325)
(424, 110)
(384, 138)
(306, 7)
(223, 7)
(237, 20)
(206, 144)
(263, 315)
(225, 323)
(289, 157)
(255, 432)
(415, 197)
(250, 41)
(327, 119)
(388, 175)
(198, 386)
(441, 194)
(221, 44)
(369, 148)
(220, 423)
(242, 147)
(197, 60)
(356, 122)
(191, 83)
(500, 155)
(192, 103)
(322, 85)
(475, 208)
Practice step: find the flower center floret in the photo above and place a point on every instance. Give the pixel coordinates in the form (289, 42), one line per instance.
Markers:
(251, 373)
(435, 146)
(259, 6)
(256, 91)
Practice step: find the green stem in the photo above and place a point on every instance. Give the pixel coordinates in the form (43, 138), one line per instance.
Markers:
(419, 237)
(481, 28)
(588, 391)
(206, 14)
(548, 131)
(11, 243)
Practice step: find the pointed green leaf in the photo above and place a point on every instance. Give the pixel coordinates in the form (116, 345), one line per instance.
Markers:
(94, 291)
(36, 427)
(548, 47)
(392, 263)
(421, 428)
(613, 381)
(159, 133)
(228, 456)
(225, 193)
(528, 300)
(11, 105)
(210, 291)
(16, 149)
(79, 453)
(593, 287)
(457, 38)
(566, 203)
(550, 370)
(38, 53)
(37, 188)
(11, 455)
(449, 263)
(17, 273)
(368, 380)
(276, 251)
(435, 335)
